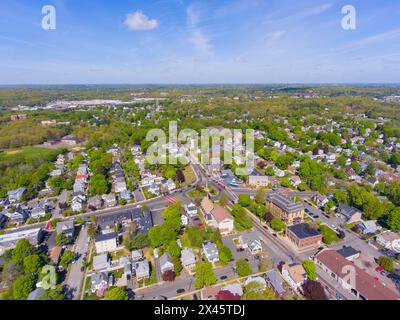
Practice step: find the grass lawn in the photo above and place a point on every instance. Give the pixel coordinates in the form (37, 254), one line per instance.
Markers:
(147, 194)
(328, 235)
(190, 177)
(88, 294)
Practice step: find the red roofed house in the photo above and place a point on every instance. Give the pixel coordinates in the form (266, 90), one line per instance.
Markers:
(362, 285)
(216, 216)
(227, 295)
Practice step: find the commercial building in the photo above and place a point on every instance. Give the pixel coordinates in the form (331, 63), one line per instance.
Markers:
(284, 208)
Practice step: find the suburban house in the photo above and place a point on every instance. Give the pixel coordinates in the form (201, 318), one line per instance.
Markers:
(188, 259)
(211, 251)
(294, 274)
(101, 262)
(349, 253)
(258, 279)
(303, 236)
(369, 227)
(166, 263)
(142, 270)
(106, 242)
(54, 254)
(320, 200)
(137, 255)
(67, 227)
(94, 203)
(38, 212)
(389, 240)
(350, 214)
(3, 220)
(100, 281)
(252, 242)
(289, 211)
(15, 195)
(295, 180)
(364, 286)
(77, 204)
(109, 200)
(142, 218)
(191, 210)
(210, 293)
(18, 216)
(275, 282)
(216, 216)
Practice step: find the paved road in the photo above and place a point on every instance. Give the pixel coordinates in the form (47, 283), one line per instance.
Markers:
(75, 275)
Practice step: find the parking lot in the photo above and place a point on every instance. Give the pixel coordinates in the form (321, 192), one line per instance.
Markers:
(240, 254)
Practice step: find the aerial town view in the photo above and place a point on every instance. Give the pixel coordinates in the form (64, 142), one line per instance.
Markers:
(199, 150)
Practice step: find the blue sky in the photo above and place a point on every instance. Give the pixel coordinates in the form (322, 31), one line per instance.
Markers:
(208, 41)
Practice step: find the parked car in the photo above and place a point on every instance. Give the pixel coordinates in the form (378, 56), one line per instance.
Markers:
(379, 269)
(224, 277)
(180, 291)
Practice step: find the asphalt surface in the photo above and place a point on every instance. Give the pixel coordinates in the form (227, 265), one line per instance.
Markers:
(75, 275)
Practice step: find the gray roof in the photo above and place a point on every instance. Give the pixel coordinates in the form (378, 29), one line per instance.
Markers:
(285, 203)
(107, 236)
(165, 258)
(36, 294)
(347, 251)
(276, 281)
(64, 226)
(347, 211)
(303, 230)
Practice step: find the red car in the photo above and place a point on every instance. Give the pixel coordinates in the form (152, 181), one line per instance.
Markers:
(379, 269)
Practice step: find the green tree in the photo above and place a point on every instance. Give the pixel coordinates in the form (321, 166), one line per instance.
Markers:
(62, 239)
(269, 171)
(260, 196)
(53, 294)
(386, 263)
(244, 200)
(309, 266)
(393, 220)
(33, 264)
(243, 268)
(173, 249)
(22, 250)
(205, 275)
(223, 199)
(116, 293)
(256, 291)
(67, 258)
(225, 254)
(277, 224)
(58, 184)
(23, 286)
(98, 185)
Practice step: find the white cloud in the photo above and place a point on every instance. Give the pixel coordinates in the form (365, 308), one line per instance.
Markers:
(382, 37)
(275, 35)
(137, 21)
(201, 41)
(198, 37)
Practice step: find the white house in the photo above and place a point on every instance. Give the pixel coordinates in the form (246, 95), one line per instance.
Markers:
(389, 240)
(106, 242)
(295, 275)
(211, 251)
(251, 242)
(191, 210)
(188, 259)
(216, 216)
